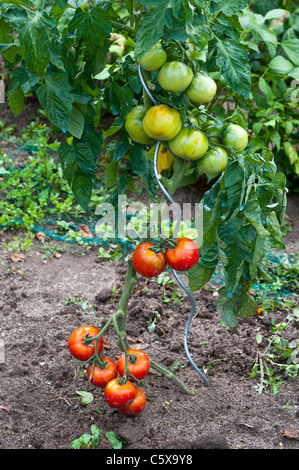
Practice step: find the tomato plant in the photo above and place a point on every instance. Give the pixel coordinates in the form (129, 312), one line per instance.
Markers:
(81, 345)
(138, 364)
(137, 405)
(118, 394)
(147, 262)
(101, 374)
(183, 256)
(183, 78)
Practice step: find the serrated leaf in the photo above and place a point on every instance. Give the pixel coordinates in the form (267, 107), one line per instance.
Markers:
(199, 276)
(266, 89)
(116, 440)
(76, 122)
(34, 40)
(291, 48)
(16, 101)
(92, 26)
(229, 7)
(111, 174)
(55, 97)
(232, 60)
(240, 304)
(152, 27)
(78, 162)
(95, 56)
(86, 397)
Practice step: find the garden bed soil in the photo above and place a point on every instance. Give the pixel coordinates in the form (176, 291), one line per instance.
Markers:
(39, 404)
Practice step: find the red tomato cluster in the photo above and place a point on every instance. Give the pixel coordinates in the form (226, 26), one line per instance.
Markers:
(150, 261)
(120, 392)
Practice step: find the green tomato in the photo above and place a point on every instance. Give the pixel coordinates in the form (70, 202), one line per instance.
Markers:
(189, 144)
(235, 136)
(162, 122)
(202, 89)
(172, 52)
(154, 58)
(134, 127)
(175, 76)
(214, 161)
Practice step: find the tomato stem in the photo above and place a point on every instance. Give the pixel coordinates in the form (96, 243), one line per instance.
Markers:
(170, 375)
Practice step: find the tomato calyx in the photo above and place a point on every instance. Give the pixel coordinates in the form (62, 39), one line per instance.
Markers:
(132, 358)
(101, 363)
(88, 339)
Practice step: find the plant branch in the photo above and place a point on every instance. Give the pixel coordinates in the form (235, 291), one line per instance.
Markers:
(170, 375)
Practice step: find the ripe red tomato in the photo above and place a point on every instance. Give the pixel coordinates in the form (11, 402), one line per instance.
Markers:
(79, 345)
(175, 76)
(184, 256)
(189, 144)
(235, 136)
(137, 405)
(162, 122)
(100, 377)
(146, 262)
(119, 395)
(138, 364)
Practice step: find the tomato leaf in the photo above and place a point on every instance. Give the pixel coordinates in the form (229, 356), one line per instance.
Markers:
(116, 440)
(242, 217)
(56, 98)
(86, 397)
(232, 60)
(34, 39)
(78, 162)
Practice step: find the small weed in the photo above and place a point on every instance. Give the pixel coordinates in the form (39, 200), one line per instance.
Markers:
(279, 358)
(49, 249)
(87, 307)
(152, 322)
(20, 244)
(112, 252)
(90, 441)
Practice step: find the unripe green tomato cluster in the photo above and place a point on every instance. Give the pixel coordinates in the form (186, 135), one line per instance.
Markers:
(164, 123)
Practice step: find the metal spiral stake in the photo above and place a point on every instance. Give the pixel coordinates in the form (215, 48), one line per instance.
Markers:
(178, 211)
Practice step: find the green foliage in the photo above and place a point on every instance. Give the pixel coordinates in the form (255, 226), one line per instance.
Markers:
(88, 441)
(63, 49)
(62, 52)
(242, 215)
(279, 358)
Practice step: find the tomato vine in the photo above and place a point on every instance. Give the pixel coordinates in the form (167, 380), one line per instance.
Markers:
(62, 52)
